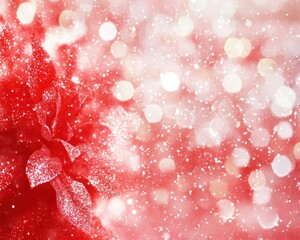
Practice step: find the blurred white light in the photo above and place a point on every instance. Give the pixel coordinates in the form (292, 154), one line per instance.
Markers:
(184, 118)
(281, 165)
(241, 157)
(285, 97)
(268, 218)
(266, 67)
(227, 9)
(197, 5)
(223, 27)
(262, 196)
(205, 91)
(160, 196)
(226, 209)
(75, 80)
(256, 179)
(218, 188)
(166, 165)
(108, 31)
(296, 150)
(26, 12)
(123, 90)
(284, 130)
(280, 111)
(247, 47)
(118, 49)
(116, 208)
(260, 137)
(235, 47)
(3, 9)
(85, 5)
(153, 113)
(184, 26)
(232, 83)
(66, 18)
(170, 81)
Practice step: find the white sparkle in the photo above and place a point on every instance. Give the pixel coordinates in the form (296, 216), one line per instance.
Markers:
(166, 165)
